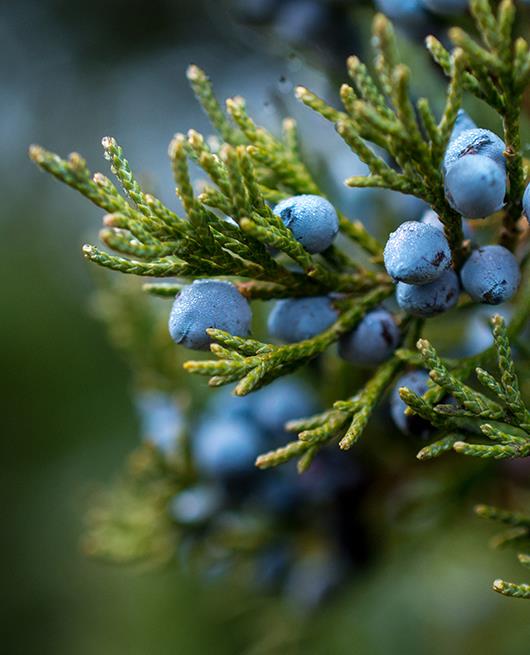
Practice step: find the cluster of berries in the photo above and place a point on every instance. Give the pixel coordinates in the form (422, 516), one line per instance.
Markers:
(210, 303)
(225, 441)
(417, 255)
(418, 258)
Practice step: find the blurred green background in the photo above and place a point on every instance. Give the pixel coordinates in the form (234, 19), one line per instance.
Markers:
(69, 74)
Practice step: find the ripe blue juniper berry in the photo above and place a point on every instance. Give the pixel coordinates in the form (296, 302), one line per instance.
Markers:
(312, 220)
(282, 401)
(403, 12)
(463, 123)
(475, 186)
(526, 202)
(225, 447)
(161, 420)
(428, 300)
(414, 13)
(491, 275)
(446, 7)
(416, 253)
(297, 319)
(472, 142)
(373, 341)
(431, 218)
(196, 504)
(208, 304)
(416, 381)
(285, 242)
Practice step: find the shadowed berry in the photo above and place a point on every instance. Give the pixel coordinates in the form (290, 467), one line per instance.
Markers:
(404, 12)
(491, 275)
(299, 20)
(222, 402)
(431, 299)
(208, 304)
(416, 253)
(373, 340)
(272, 565)
(526, 202)
(312, 220)
(296, 319)
(446, 7)
(477, 335)
(430, 217)
(282, 401)
(475, 142)
(161, 420)
(224, 447)
(475, 186)
(412, 425)
(195, 504)
(313, 578)
(462, 124)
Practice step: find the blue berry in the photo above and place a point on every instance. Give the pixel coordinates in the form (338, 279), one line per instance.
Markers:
(282, 401)
(403, 204)
(475, 186)
(312, 578)
(491, 275)
(405, 12)
(272, 565)
(312, 220)
(412, 425)
(430, 217)
(161, 420)
(462, 124)
(416, 253)
(477, 335)
(208, 304)
(446, 6)
(226, 447)
(195, 504)
(373, 340)
(300, 20)
(475, 142)
(526, 202)
(222, 402)
(296, 319)
(431, 299)
(279, 490)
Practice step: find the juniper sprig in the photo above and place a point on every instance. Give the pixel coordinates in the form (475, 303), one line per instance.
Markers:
(504, 420)
(234, 229)
(250, 168)
(517, 534)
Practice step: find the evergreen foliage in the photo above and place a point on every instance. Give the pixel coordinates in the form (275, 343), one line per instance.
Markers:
(250, 169)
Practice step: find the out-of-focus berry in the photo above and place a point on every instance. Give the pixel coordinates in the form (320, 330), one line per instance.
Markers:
(412, 425)
(224, 447)
(446, 7)
(161, 420)
(195, 504)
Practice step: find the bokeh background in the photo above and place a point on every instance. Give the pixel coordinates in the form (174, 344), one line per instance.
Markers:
(71, 72)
